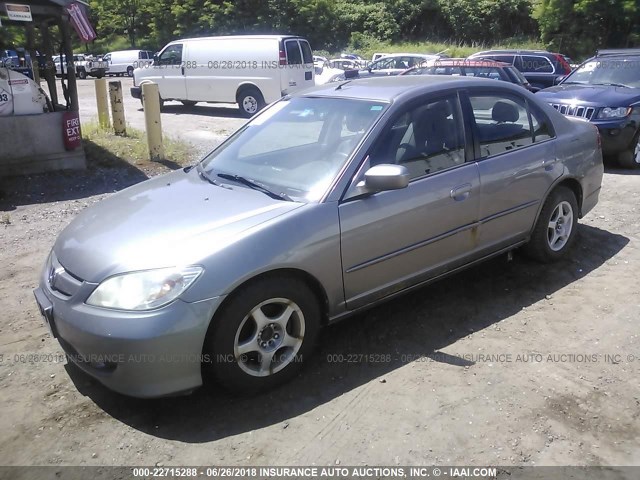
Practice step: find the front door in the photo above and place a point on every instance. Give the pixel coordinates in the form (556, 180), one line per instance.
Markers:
(170, 71)
(394, 239)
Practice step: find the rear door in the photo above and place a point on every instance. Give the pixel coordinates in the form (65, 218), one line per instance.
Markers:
(517, 164)
(538, 70)
(299, 71)
(171, 72)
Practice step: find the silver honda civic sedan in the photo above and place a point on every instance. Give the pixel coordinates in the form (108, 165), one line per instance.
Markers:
(327, 202)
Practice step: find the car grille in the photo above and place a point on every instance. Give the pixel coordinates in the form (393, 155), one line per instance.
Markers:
(61, 281)
(575, 110)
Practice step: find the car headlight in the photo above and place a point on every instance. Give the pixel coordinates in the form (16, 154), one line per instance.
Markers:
(143, 290)
(614, 112)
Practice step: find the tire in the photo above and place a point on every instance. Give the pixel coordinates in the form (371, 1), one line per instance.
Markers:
(188, 103)
(250, 101)
(247, 340)
(129, 71)
(631, 158)
(555, 230)
(161, 103)
(82, 74)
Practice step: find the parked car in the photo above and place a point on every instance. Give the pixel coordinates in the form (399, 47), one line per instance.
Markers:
(329, 201)
(126, 61)
(83, 66)
(17, 60)
(250, 70)
(327, 74)
(473, 68)
(376, 56)
(343, 64)
(319, 61)
(395, 64)
(605, 90)
(542, 69)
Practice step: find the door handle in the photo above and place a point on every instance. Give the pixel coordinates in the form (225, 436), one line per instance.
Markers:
(461, 192)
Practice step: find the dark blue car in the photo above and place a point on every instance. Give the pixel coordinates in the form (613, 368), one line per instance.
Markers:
(606, 91)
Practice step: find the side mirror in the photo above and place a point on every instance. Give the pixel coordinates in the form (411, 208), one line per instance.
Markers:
(559, 79)
(385, 177)
(155, 59)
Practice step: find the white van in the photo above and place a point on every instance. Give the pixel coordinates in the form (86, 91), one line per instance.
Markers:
(250, 70)
(125, 62)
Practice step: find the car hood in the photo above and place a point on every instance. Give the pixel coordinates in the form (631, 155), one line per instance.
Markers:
(175, 219)
(592, 95)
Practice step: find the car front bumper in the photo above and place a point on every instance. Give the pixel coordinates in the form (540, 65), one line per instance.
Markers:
(616, 135)
(140, 354)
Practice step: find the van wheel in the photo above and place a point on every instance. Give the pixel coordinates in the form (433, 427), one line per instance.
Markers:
(82, 74)
(250, 101)
(631, 158)
(188, 103)
(160, 99)
(262, 334)
(555, 230)
(130, 71)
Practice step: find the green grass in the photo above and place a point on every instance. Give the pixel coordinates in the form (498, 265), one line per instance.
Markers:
(104, 148)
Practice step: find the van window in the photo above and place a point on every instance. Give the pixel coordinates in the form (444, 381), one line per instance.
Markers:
(106, 58)
(307, 56)
(172, 55)
(535, 63)
(294, 56)
(142, 55)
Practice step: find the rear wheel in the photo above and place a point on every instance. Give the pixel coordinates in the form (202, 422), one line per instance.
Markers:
(555, 230)
(631, 158)
(260, 337)
(250, 101)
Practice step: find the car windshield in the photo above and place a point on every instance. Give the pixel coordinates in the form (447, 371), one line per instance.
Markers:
(620, 72)
(296, 147)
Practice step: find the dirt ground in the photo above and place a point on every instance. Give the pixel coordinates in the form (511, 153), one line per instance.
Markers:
(509, 363)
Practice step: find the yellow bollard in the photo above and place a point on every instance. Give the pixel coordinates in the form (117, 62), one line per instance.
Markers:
(117, 108)
(103, 103)
(151, 102)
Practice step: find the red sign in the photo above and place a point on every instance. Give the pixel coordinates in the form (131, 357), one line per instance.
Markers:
(80, 21)
(71, 130)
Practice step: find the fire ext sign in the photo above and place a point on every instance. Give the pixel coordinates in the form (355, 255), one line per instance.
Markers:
(20, 13)
(71, 130)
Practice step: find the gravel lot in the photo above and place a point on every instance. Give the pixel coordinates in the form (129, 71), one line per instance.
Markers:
(509, 363)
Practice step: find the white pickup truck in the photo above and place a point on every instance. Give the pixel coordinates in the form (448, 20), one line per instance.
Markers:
(84, 66)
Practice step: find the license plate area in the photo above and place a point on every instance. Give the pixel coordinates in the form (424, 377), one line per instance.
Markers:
(46, 310)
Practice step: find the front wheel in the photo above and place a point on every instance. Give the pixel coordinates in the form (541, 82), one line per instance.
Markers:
(261, 336)
(555, 230)
(82, 74)
(631, 158)
(129, 71)
(250, 102)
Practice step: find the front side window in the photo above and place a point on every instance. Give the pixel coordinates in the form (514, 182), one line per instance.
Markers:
(297, 146)
(172, 55)
(502, 123)
(426, 139)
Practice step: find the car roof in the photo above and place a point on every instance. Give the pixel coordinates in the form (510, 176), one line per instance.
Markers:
(498, 52)
(239, 37)
(421, 55)
(389, 89)
(464, 62)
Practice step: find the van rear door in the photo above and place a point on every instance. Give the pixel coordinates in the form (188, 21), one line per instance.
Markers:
(298, 72)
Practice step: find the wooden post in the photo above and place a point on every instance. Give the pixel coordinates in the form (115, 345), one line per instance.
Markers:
(151, 102)
(117, 108)
(31, 48)
(72, 85)
(102, 100)
(50, 70)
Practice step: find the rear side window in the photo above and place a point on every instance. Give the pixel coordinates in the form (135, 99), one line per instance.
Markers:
(502, 123)
(294, 56)
(510, 59)
(535, 63)
(307, 56)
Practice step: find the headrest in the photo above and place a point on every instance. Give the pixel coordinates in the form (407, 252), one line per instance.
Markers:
(504, 112)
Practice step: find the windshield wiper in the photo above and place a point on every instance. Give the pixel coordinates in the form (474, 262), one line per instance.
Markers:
(255, 186)
(612, 84)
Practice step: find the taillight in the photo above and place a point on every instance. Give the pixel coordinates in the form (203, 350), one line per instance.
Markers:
(565, 65)
(283, 57)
